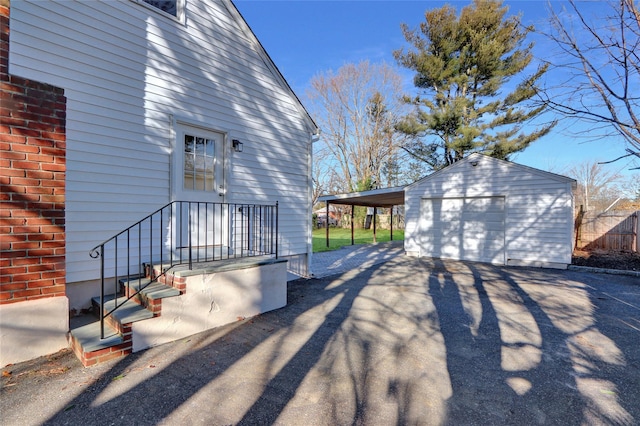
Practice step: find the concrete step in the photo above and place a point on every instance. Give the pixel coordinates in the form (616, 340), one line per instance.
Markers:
(91, 349)
(149, 293)
(85, 340)
(95, 303)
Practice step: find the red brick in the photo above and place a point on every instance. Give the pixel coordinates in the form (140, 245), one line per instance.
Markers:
(54, 167)
(36, 221)
(13, 254)
(39, 284)
(96, 354)
(88, 362)
(40, 237)
(53, 244)
(13, 270)
(39, 174)
(27, 277)
(39, 190)
(41, 252)
(54, 136)
(52, 197)
(13, 286)
(38, 268)
(25, 148)
(26, 293)
(41, 158)
(6, 171)
(53, 259)
(27, 165)
(23, 260)
(112, 355)
(21, 131)
(24, 181)
(25, 245)
(53, 274)
(58, 184)
(54, 289)
(56, 152)
(12, 155)
(42, 142)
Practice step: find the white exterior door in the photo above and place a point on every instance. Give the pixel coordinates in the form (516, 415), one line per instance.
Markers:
(471, 228)
(199, 182)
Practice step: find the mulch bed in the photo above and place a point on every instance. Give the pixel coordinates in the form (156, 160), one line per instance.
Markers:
(611, 260)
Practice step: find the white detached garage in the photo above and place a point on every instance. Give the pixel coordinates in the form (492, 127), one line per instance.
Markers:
(487, 210)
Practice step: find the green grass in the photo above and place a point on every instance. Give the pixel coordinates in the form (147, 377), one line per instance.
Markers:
(340, 237)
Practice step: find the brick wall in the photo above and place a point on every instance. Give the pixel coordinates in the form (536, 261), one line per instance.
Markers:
(32, 178)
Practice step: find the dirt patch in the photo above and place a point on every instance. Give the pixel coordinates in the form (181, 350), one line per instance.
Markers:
(625, 260)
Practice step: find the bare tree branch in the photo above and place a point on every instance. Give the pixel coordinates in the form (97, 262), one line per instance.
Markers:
(603, 67)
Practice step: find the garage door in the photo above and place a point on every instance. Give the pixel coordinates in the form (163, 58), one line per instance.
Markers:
(463, 228)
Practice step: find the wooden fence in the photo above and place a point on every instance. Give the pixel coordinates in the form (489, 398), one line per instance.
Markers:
(610, 231)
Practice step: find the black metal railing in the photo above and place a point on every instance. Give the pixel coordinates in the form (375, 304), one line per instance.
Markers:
(182, 233)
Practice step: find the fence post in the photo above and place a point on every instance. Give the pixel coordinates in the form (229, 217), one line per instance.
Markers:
(635, 231)
(578, 226)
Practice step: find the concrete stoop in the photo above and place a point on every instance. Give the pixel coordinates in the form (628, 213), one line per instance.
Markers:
(180, 303)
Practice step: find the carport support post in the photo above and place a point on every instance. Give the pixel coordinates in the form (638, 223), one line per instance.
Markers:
(375, 213)
(353, 208)
(327, 222)
(391, 223)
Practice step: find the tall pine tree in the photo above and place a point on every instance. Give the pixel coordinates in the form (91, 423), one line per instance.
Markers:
(462, 64)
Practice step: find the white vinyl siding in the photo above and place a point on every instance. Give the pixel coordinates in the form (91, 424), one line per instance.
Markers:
(538, 207)
(128, 75)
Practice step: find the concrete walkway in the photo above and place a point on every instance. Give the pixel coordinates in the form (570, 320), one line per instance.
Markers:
(356, 257)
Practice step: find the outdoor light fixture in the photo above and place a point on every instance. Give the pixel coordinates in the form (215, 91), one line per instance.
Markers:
(237, 145)
(474, 163)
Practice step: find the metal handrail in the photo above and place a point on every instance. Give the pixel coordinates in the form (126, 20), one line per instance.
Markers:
(205, 231)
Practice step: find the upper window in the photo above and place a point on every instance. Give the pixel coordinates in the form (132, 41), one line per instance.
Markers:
(172, 8)
(167, 6)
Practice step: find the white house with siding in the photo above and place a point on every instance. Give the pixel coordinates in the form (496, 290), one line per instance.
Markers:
(488, 210)
(142, 80)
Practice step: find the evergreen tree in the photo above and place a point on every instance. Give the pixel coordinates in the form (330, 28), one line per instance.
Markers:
(462, 64)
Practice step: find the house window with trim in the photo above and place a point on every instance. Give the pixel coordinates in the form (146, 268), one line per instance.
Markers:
(167, 6)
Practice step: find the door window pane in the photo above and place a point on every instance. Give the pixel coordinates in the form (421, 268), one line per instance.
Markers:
(199, 162)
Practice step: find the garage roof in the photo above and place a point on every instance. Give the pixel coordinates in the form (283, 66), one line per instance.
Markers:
(386, 197)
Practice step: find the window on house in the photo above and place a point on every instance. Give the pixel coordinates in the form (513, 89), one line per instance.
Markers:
(167, 6)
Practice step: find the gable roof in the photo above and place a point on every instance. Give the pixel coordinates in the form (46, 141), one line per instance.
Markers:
(246, 28)
(477, 157)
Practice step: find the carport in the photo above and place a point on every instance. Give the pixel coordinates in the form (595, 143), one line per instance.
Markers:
(375, 198)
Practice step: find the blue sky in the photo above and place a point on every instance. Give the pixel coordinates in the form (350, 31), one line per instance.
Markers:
(307, 37)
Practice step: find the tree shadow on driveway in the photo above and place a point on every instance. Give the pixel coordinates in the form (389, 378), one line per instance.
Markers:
(527, 346)
(409, 341)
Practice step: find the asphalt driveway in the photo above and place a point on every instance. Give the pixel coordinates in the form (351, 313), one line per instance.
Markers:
(407, 341)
